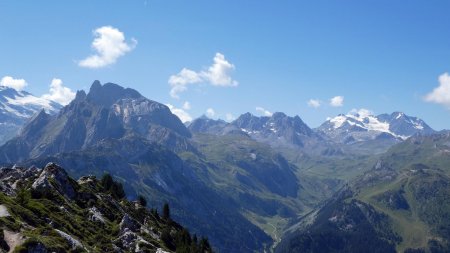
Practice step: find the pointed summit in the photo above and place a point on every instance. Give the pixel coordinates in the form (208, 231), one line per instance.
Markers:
(109, 111)
(109, 93)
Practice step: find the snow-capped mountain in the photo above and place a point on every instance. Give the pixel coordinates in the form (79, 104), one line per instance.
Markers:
(16, 107)
(364, 126)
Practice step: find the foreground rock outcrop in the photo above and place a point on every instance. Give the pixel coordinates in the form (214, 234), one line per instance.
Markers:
(44, 210)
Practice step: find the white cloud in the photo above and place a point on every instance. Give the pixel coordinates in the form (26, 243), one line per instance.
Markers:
(363, 113)
(218, 74)
(315, 103)
(263, 111)
(229, 117)
(441, 94)
(59, 93)
(337, 101)
(17, 84)
(180, 113)
(108, 45)
(210, 112)
(187, 105)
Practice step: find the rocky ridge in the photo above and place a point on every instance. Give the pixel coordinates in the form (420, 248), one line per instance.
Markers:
(47, 211)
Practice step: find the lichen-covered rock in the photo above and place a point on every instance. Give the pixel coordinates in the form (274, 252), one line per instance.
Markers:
(128, 239)
(11, 177)
(72, 241)
(95, 215)
(53, 176)
(129, 224)
(90, 180)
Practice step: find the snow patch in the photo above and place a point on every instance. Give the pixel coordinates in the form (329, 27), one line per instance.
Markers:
(399, 115)
(417, 125)
(366, 120)
(338, 121)
(30, 100)
(248, 131)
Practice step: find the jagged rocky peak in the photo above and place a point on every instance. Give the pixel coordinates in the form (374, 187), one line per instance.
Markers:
(32, 129)
(283, 121)
(41, 116)
(281, 130)
(109, 93)
(108, 111)
(278, 122)
(81, 95)
(249, 121)
(55, 177)
(51, 177)
(204, 124)
(405, 125)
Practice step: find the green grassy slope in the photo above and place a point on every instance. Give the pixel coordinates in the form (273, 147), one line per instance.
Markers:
(89, 219)
(410, 187)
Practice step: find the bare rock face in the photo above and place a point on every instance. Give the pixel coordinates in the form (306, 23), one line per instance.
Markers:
(129, 224)
(55, 177)
(10, 178)
(95, 215)
(108, 111)
(130, 231)
(380, 172)
(72, 241)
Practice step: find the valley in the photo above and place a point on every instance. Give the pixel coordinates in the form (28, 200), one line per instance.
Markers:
(243, 184)
(224, 126)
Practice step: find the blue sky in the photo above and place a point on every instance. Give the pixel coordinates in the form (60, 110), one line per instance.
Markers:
(384, 56)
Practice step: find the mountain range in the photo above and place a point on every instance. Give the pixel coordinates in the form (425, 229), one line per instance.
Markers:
(362, 127)
(246, 184)
(351, 133)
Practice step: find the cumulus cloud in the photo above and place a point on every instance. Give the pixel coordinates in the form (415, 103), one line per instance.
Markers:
(218, 74)
(263, 111)
(441, 94)
(180, 81)
(314, 103)
(363, 113)
(180, 113)
(17, 84)
(210, 112)
(337, 101)
(59, 93)
(229, 117)
(109, 44)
